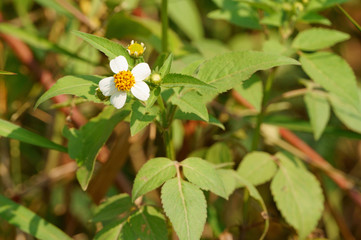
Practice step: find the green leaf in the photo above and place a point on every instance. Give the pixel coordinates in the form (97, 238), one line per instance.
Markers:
(28, 221)
(85, 143)
(52, 4)
(81, 86)
(36, 41)
(318, 38)
(180, 80)
(322, 4)
(186, 102)
(10, 130)
(204, 175)
(228, 180)
(165, 69)
(141, 117)
(6, 73)
(186, 208)
(152, 175)
(186, 15)
(318, 110)
(332, 73)
(219, 153)
(146, 223)
(191, 116)
(112, 207)
(110, 231)
(257, 167)
(109, 48)
(348, 115)
(313, 17)
(298, 196)
(235, 12)
(228, 70)
(252, 91)
(253, 192)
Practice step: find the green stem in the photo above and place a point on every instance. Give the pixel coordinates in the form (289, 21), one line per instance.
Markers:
(166, 129)
(349, 17)
(260, 117)
(164, 18)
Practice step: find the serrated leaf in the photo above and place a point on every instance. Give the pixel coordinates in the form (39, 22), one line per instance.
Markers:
(204, 175)
(186, 15)
(10, 130)
(110, 231)
(112, 207)
(348, 115)
(146, 223)
(28, 221)
(180, 80)
(318, 110)
(165, 69)
(191, 102)
(152, 175)
(109, 48)
(332, 73)
(228, 70)
(252, 91)
(298, 196)
(318, 38)
(257, 167)
(141, 117)
(81, 86)
(191, 116)
(228, 180)
(219, 153)
(186, 207)
(85, 143)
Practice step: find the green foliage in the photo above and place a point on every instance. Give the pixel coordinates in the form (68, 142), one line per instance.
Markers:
(146, 223)
(332, 73)
(203, 174)
(141, 116)
(185, 206)
(6, 73)
(85, 143)
(257, 168)
(152, 175)
(112, 207)
(28, 221)
(111, 231)
(109, 48)
(347, 113)
(180, 80)
(318, 110)
(219, 153)
(228, 70)
(252, 90)
(185, 15)
(186, 102)
(318, 38)
(10, 130)
(81, 86)
(298, 195)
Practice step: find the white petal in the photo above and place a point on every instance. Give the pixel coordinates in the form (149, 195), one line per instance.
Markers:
(119, 64)
(107, 86)
(140, 90)
(118, 99)
(141, 71)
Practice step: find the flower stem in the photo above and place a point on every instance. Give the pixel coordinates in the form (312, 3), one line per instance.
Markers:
(164, 18)
(260, 117)
(165, 124)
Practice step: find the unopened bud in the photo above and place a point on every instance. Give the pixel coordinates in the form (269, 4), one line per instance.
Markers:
(156, 78)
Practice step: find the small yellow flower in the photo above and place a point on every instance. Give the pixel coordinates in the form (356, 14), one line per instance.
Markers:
(135, 49)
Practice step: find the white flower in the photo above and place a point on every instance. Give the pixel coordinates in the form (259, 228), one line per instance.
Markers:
(124, 81)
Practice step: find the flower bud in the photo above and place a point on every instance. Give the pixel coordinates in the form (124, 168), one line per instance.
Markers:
(155, 78)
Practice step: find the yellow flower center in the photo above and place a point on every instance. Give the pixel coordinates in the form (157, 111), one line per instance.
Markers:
(136, 47)
(124, 80)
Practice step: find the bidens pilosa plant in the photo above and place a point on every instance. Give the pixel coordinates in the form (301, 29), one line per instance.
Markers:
(215, 124)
